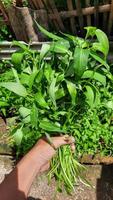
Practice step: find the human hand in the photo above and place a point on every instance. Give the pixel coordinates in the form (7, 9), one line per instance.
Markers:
(47, 151)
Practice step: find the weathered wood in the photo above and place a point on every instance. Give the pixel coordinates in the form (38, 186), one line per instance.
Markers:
(31, 4)
(24, 27)
(72, 19)
(97, 159)
(2, 126)
(50, 12)
(96, 14)
(80, 15)
(42, 17)
(105, 16)
(3, 10)
(88, 16)
(22, 24)
(19, 3)
(110, 22)
(40, 4)
(56, 14)
(85, 11)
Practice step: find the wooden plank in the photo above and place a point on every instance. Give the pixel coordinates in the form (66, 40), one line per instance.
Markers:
(80, 15)
(56, 13)
(105, 16)
(88, 16)
(42, 17)
(110, 21)
(96, 14)
(85, 11)
(22, 22)
(18, 3)
(31, 4)
(40, 4)
(34, 2)
(3, 10)
(51, 13)
(72, 19)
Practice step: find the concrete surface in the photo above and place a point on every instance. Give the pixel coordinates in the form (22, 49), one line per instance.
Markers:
(101, 178)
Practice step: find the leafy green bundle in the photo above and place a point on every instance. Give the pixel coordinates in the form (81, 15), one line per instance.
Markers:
(49, 89)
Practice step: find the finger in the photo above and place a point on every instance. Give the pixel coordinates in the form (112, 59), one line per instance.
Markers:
(72, 147)
(69, 139)
(62, 140)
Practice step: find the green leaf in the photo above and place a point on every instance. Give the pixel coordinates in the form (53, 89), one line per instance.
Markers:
(48, 71)
(25, 114)
(44, 50)
(34, 116)
(3, 104)
(17, 88)
(70, 70)
(71, 37)
(103, 40)
(99, 59)
(39, 76)
(47, 125)
(47, 33)
(98, 47)
(15, 75)
(22, 45)
(40, 100)
(92, 96)
(32, 78)
(95, 75)
(109, 104)
(60, 46)
(80, 60)
(59, 93)
(51, 91)
(17, 58)
(72, 91)
(18, 135)
(90, 31)
(24, 79)
(89, 95)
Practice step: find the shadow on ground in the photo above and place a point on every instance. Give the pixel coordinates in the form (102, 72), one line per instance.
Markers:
(104, 187)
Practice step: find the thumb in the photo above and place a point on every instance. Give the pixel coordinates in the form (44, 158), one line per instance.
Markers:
(62, 140)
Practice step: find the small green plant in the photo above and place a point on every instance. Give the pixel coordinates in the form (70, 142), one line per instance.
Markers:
(51, 89)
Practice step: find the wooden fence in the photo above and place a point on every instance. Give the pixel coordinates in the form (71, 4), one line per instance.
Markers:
(3, 14)
(76, 15)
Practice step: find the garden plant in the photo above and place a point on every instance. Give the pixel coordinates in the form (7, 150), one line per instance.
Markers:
(66, 88)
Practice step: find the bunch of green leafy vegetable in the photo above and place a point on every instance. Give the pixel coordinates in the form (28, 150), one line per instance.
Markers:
(52, 88)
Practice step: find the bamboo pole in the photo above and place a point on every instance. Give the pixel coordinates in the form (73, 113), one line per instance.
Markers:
(96, 14)
(85, 11)
(88, 16)
(105, 16)
(56, 13)
(51, 13)
(110, 21)
(80, 15)
(72, 19)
